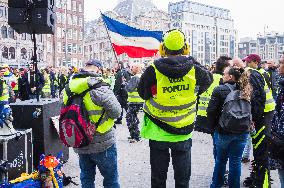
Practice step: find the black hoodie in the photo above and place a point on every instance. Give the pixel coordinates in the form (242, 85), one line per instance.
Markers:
(172, 67)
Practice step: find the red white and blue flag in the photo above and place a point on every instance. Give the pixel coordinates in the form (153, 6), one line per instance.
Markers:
(136, 43)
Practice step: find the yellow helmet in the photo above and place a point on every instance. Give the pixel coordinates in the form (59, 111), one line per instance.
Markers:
(174, 43)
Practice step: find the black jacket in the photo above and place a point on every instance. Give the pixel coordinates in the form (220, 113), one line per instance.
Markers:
(215, 106)
(258, 97)
(119, 86)
(172, 67)
(25, 88)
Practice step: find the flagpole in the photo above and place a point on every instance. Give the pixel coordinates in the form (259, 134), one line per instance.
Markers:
(109, 39)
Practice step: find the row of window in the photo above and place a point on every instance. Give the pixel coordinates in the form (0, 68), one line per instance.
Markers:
(71, 5)
(71, 19)
(71, 34)
(71, 48)
(10, 53)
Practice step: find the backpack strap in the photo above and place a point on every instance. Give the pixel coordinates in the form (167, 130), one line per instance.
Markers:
(231, 87)
(71, 95)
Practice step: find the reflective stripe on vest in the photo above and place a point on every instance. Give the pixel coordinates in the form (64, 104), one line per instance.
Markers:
(269, 101)
(5, 94)
(79, 85)
(133, 97)
(206, 96)
(175, 100)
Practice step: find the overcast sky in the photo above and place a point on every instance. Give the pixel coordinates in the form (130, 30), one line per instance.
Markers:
(250, 15)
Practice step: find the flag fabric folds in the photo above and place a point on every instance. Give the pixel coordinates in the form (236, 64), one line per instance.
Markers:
(136, 43)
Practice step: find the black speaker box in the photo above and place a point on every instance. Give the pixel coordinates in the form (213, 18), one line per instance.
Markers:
(37, 115)
(17, 151)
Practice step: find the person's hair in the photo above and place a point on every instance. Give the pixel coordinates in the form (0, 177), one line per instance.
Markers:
(242, 78)
(222, 62)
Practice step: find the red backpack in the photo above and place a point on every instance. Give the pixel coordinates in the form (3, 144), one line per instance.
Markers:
(75, 128)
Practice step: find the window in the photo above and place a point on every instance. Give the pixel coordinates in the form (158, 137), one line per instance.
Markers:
(5, 52)
(4, 31)
(23, 36)
(58, 3)
(79, 49)
(63, 19)
(80, 7)
(69, 48)
(74, 7)
(80, 21)
(2, 12)
(68, 4)
(59, 46)
(24, 53)
(75, 34)
(80, 35)
(69, 19)
(11, 53)
(69, 33)
(58, 15)
(11, 33)
(75, 20)
(74, 49)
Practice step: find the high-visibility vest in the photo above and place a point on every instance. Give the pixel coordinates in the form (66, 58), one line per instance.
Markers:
(175, 101)
(205, 97)
(133, 97)
(46, 88)
(5, 94)
(79, 85)
(269, 101)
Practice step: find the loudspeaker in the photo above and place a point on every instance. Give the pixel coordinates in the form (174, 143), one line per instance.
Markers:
(37, 116)
(32, 16)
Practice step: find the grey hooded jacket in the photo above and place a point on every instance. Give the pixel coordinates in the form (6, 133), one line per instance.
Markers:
(102, 96)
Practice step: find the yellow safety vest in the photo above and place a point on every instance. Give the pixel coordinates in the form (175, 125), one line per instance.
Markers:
(46, 88)
(79, 85)
(175, 101)
(205, 97)
(269, 101)
(5, 94)
(133, 97)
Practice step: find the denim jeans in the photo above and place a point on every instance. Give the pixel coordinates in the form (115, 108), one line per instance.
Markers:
(181, 161)
(107, 164)
(281, 177)
(246, 153)
(228, 146)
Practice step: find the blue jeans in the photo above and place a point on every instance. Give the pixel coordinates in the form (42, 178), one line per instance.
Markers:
(281, 177)
(228, 146)
(107, 164)
(246, 153)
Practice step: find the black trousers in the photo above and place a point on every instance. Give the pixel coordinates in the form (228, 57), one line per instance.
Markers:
(260, 150)
(160, 158)
(123, 103)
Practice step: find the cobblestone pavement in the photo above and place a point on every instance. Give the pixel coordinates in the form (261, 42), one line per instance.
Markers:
(134, 167)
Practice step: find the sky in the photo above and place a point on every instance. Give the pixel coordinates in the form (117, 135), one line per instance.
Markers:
(250, 16)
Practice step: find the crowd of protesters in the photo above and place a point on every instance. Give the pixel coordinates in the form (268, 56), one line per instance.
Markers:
(260, 83)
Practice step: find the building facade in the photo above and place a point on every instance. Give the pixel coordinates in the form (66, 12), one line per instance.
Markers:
(17, 49)
(65, 47)
(246, 46)
(209, 30)
(97, 44)
(270, 46)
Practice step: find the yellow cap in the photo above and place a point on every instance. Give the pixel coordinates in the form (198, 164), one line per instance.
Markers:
(5, 65)
(174, 40)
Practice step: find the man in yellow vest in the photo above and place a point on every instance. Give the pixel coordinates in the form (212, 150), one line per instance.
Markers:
(100, 103)
(263, 106)
(170, 87)
(135, 103)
